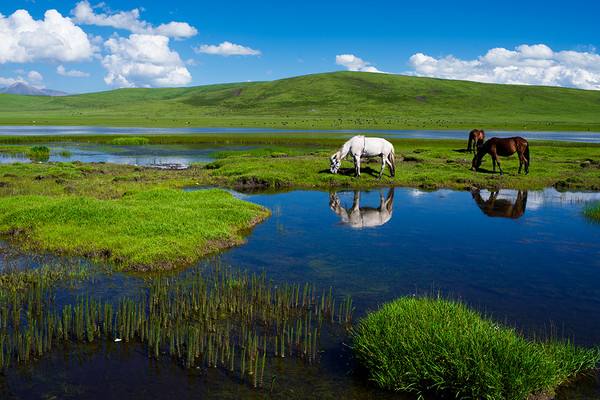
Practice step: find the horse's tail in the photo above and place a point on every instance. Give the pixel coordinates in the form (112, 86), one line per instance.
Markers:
(469, 142)
(527, 154)
(392, 159)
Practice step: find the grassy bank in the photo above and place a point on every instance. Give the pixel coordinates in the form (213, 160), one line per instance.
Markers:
(331, 100)
(157, 229)
(425, 345)
(427, 164)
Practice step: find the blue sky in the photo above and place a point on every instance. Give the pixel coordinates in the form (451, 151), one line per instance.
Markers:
(111, 45)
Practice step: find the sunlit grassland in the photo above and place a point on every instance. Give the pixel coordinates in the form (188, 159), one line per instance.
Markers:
(330, 100)
(427, 164)
(155, 229)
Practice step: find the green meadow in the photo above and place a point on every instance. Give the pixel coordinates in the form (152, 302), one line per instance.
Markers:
(330, 100)
(146, 230)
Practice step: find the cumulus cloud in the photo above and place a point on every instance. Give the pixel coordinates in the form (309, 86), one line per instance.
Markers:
(527, 64)
(353, 63)
(35, 77)
(227, 49)
(23, 39)
(84, 14)
(143, 61)
(61, 70)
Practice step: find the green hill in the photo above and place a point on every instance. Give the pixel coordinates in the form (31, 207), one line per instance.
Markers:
(330, 100)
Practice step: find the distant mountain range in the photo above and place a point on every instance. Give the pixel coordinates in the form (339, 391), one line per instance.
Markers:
(28, 90)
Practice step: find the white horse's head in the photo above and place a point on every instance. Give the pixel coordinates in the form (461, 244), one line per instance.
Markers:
(335, 163)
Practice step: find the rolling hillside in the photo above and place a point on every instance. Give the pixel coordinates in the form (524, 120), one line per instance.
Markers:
(330, 100)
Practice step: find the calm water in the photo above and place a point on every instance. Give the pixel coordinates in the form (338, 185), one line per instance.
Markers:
(150, 155)
(588, 137)
(529, 259)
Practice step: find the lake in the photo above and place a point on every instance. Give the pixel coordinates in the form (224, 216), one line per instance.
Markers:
(587, 137)
(527, 258)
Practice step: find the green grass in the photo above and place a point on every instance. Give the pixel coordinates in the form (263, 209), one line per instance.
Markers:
(330, 100)
(593, 212)
(154, 229)
(427, 164)
(13, 150)
(130, 141)
(39, 153)
(424, 345)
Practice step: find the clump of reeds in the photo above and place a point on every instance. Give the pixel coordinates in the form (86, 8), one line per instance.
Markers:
(39, 153)
(423, 345)
(217, 318)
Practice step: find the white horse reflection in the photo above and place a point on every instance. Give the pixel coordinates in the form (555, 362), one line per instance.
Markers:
(363, 217)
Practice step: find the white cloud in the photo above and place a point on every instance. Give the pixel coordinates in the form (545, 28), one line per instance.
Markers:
(61, 70)
(227, 49)
(23, 39)
(84, 13)
(526, 64)
(353, 63)
(143, 61)
(34, 77)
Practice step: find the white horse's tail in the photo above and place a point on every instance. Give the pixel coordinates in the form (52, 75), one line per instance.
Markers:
(392, 160)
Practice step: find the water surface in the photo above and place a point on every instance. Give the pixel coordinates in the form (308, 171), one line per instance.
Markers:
(587, 137)
(165, 155)
(528, 258)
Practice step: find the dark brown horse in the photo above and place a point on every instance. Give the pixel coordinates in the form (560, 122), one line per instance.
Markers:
(503, 208)
(503, 147)
(476, 138)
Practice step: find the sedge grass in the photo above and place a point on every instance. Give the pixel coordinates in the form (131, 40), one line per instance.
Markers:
(130, 141)
(425, 345)
(593, 212)
(213, 317)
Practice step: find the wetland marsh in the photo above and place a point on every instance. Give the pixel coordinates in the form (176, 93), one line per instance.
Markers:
(517, 249)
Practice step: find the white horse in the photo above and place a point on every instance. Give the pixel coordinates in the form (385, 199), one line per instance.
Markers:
(362, 146)
(364, 217)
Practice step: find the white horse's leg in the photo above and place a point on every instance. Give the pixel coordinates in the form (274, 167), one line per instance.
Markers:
(356, 201)
(383, 162)
(356, 164)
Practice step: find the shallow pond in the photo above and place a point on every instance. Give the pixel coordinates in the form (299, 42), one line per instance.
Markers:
(588, 137)
(530, 259)
(166, 156)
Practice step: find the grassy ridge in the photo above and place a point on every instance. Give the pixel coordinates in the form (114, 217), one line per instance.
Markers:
(157, 229)
(423, 345)
(331, 100)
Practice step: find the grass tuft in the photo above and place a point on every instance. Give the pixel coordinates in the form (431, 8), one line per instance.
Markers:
(593, 212)
(130, 141)
(39, 153)
(424, 345)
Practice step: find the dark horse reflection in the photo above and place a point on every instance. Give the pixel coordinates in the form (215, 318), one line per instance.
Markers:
(363, 217)
(503, 208)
